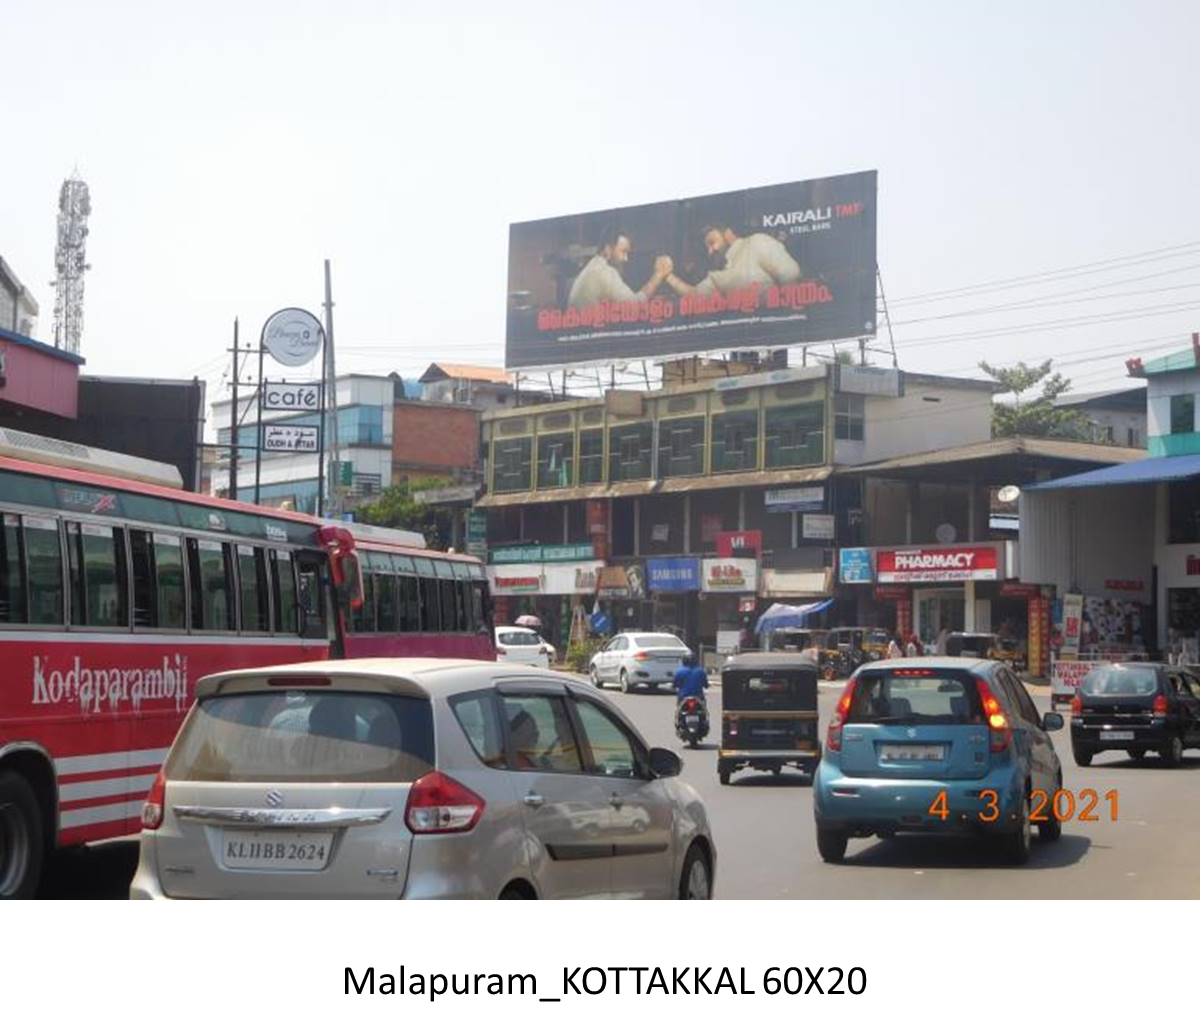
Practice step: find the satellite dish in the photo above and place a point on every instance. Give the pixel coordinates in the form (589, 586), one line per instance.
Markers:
(1007, 494)
(946, 533)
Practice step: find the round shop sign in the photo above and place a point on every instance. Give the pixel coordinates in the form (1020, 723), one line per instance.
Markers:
(292, 336)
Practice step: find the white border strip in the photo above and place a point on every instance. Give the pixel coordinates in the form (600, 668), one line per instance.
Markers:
(100, 814)
(109, 760)
(106, 788)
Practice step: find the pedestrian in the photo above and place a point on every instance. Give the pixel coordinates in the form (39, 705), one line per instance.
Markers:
(911, 650)
(894, 650)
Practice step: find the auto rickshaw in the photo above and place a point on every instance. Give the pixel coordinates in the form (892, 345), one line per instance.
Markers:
(971, 645)
(806, 642)
(770, 713)
(1009, 651)
(845, 651)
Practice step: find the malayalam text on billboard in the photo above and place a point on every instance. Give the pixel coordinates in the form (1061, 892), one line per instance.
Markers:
(764, 267)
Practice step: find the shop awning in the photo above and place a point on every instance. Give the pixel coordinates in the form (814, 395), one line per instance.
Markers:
(788, 616)
(796, 583)
(1147, 470)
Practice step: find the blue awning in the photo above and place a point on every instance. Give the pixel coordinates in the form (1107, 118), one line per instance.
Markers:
(1147, 470)
(788, 616)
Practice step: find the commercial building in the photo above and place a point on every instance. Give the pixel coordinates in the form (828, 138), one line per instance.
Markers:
(1126, 540)
(18, 309)
(1113, 416)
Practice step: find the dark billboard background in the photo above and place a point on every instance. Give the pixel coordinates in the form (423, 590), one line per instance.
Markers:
(828, 227)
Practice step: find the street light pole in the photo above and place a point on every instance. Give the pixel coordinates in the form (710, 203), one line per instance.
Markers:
(328, 372)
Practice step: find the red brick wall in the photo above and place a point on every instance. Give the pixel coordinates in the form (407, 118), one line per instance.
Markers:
(438, 437)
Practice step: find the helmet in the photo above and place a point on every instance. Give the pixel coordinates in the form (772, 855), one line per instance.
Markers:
(689, 659)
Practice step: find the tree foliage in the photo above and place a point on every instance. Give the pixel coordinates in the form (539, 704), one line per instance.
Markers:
(397, 509)
(1036, 416)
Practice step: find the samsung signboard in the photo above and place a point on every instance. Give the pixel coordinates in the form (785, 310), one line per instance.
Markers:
(757, 268)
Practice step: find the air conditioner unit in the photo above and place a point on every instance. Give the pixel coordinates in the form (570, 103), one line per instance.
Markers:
(15, 443)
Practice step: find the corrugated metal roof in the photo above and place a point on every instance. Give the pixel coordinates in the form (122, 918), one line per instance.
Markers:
(477, 373)
(1003, 447)
(1150, 470)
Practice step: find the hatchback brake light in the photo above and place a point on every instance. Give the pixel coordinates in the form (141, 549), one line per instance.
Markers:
(1076, 704)
(155, 804)
(841, 715)
(1160, 705)
(997, 720)
(439, 804)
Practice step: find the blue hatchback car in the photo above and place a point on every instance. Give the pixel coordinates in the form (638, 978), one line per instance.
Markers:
(937, 745)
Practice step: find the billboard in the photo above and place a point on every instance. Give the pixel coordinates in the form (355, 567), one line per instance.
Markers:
(764, 267)
(937, 564)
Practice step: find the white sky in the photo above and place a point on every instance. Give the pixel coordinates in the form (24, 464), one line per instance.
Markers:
(230, 147)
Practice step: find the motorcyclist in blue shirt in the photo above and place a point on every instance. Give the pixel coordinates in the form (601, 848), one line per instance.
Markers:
(690, 679)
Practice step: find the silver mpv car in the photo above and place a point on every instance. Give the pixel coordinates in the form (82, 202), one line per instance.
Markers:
(417, 778)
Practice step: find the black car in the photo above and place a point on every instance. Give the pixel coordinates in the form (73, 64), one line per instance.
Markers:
(1136, 707)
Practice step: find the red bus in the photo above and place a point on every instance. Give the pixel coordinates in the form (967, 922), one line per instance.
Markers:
(118, 592)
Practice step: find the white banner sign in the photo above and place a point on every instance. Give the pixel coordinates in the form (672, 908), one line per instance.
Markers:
(819, 527)
(291, 396)
(729, 575)
(291, 438)
(1072, 624)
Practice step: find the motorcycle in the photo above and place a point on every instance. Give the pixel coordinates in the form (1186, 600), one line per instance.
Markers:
(692, 722)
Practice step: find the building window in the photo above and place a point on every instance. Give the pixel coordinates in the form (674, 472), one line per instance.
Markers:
(794, 435)
(1183, 499)
(850, 417)
(1183, 413)
(734, 441)
(589, 459)
(512, 465)
(1107, 435)
(361, 424)
(1134, 437)
(555, 460)
(681, 447)
(631, 452)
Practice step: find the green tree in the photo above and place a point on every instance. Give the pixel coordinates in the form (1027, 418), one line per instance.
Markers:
(1036, 416)
(397, 509)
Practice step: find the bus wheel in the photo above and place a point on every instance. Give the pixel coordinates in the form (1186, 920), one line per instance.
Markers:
(21, 840)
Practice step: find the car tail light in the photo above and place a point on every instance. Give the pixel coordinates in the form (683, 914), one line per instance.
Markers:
(1076, 704)
(841, 715)
(1160, 705)
(733, 727)
(438, 804)
(155, 804)
(997, 721)
(500, 650)
(640, 656)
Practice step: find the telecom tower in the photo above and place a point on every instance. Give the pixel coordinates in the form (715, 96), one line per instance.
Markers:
(74, 207)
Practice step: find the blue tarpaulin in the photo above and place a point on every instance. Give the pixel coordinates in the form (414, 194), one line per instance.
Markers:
(1146, 470)
(788, 616)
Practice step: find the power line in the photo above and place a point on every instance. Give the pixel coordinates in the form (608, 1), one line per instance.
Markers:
(1042, 303)
(1067, 272)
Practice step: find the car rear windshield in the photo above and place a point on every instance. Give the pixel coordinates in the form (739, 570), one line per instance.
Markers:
(770, 689)
(918, 697)
(518, 638)
(305, 737)
(1118, 681)
(659, 640)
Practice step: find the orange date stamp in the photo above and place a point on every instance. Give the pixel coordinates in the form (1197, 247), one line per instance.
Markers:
(1061, 806)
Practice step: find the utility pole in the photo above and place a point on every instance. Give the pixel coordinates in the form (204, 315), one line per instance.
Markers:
(328, 370)
(234, 418)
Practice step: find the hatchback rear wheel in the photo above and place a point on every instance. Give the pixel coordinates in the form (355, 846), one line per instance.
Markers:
(1136, 753)
(695, 876)
(1172, 753)
(832, 844)
(1018, 844)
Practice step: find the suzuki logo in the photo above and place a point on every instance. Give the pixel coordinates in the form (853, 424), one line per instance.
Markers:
(910, 733)
(275, 799)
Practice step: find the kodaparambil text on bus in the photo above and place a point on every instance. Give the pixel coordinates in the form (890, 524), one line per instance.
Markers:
(119, 590)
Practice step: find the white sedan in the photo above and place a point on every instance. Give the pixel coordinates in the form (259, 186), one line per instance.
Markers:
(637, 659)
(522, 646)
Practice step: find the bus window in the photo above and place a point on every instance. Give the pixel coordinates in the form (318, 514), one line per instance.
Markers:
(431, 622)
(99, 589)
(385, 586)
(169, 581)
(284, 593)
(447, 595)
(310, 598)
(210, 572)
(142, 562)
(252, 589)
(12, 587)
(480, 606)
(411, 604)
(44, 570)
